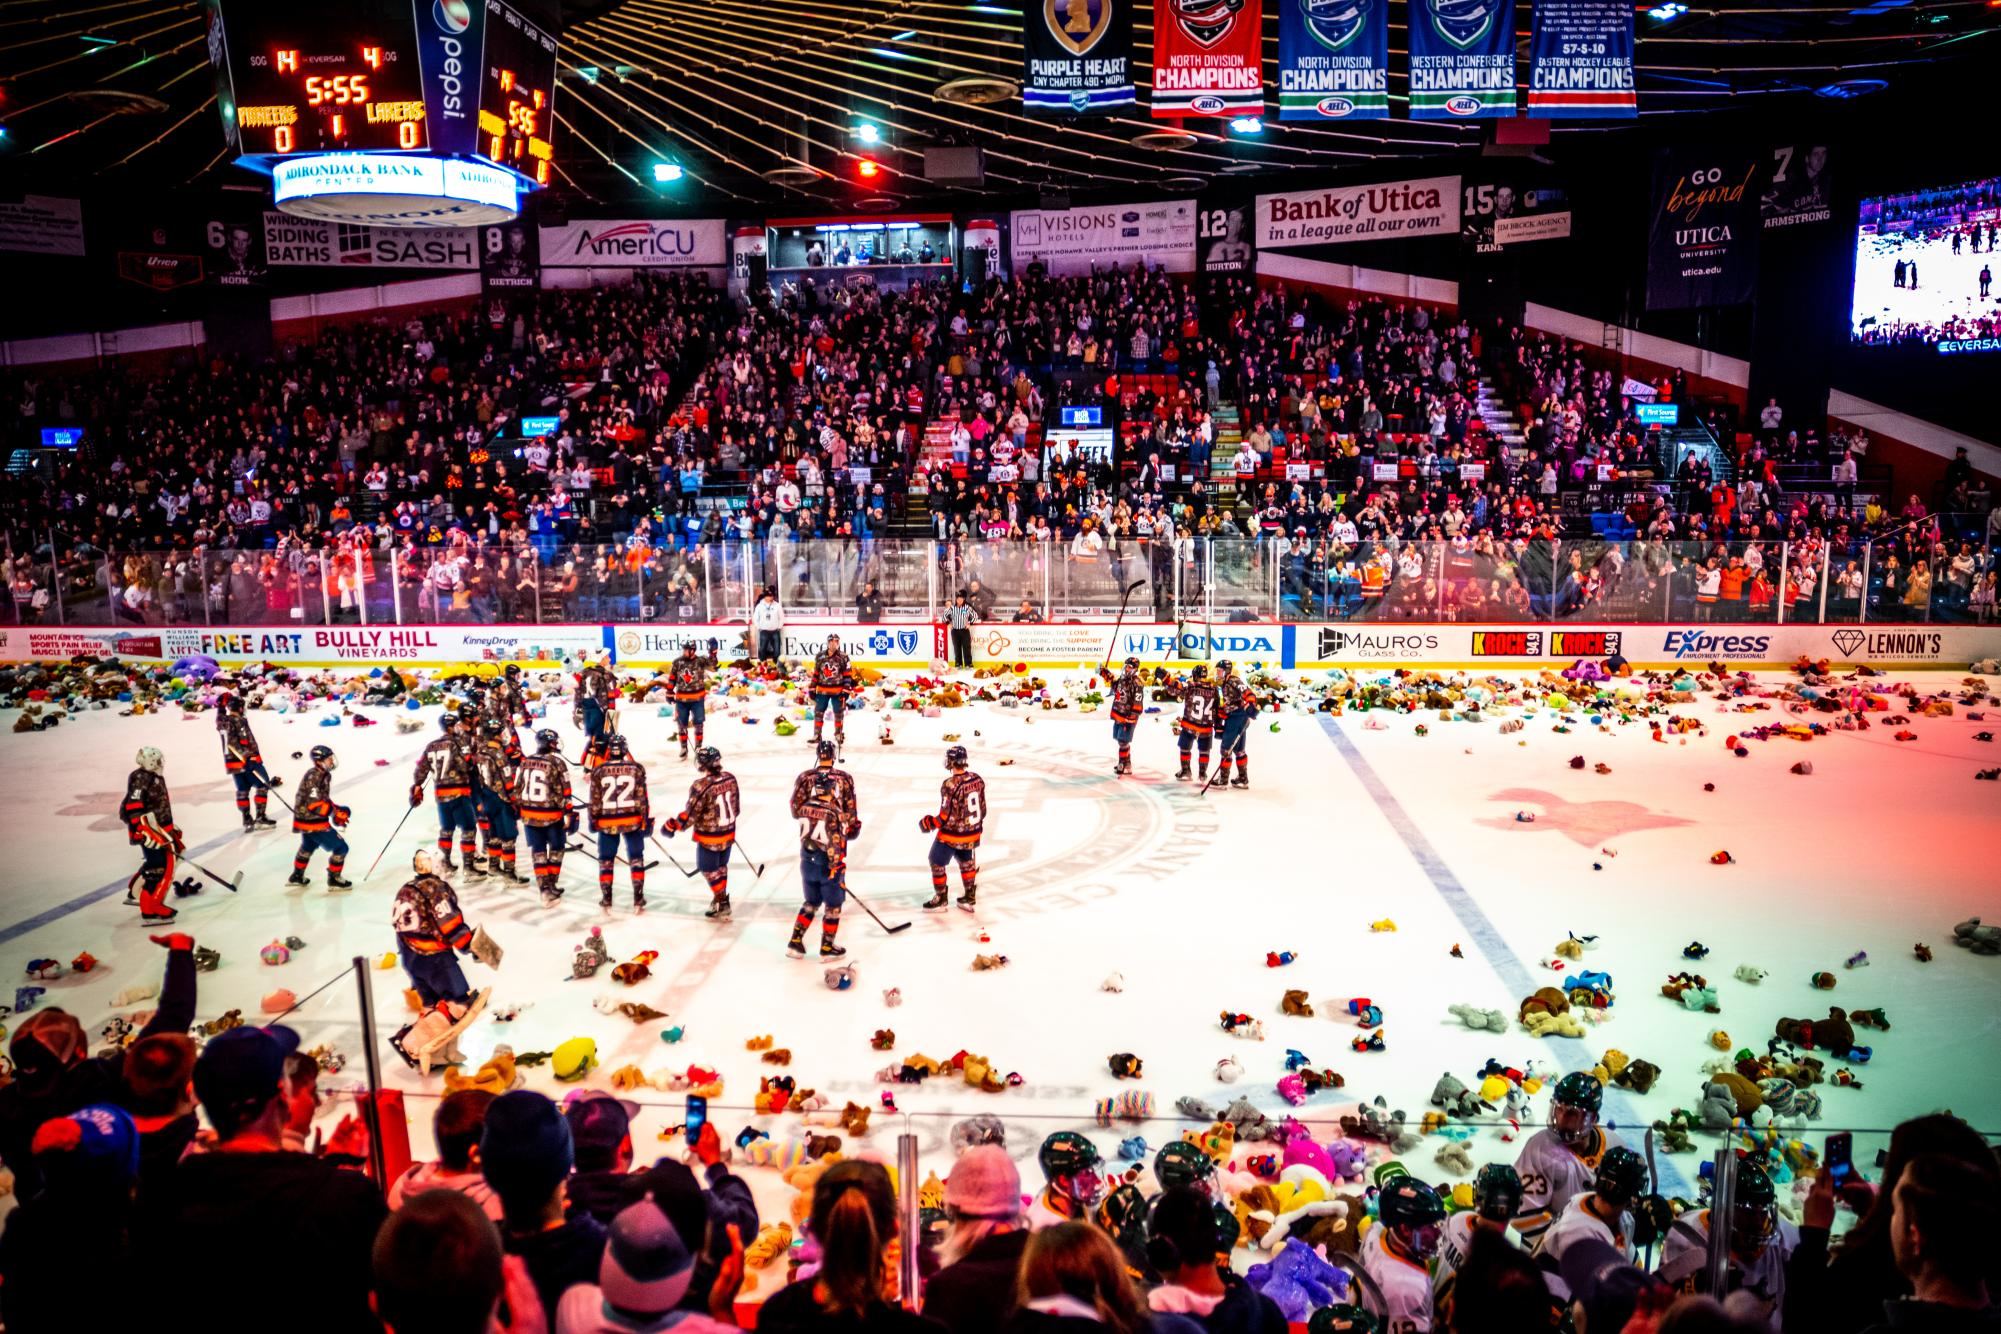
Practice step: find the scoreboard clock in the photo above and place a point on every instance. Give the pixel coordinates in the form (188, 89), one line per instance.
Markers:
(517, 89)
(299, 84)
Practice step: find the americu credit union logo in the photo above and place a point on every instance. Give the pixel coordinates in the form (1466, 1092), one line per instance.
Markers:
(1335, 23)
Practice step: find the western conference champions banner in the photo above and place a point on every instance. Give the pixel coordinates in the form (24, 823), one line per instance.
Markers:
(1581, 60)
(1702, 249)
(1333, 59)
(1208, 58)
(1462, 59)
(1077, 56)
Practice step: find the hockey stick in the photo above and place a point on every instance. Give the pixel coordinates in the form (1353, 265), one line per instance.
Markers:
(231, 885)
(270, 784)
(654, 840)
(1123, 599)
(392, 838)
(886, 927)
(756, 868)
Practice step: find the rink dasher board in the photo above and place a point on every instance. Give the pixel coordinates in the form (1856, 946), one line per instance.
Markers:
(1267, 646)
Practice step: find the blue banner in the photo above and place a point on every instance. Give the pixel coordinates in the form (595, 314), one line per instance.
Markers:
(1581, 60)
(1462, 59)
(1333, 59)
(451, 41)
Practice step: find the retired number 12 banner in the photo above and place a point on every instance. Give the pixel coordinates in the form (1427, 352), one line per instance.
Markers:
(1208, 58)
(1581, 59)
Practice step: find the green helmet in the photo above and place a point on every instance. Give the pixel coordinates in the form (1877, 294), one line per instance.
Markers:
(1227, 1228)
(1342, 1318)
(1181, 1163)
(1497, 1192)
(1578, 1089)
(1067, 1153)
(1622, 1176)
(1574, 1107)
(1408, 1202)
(1755, 1218)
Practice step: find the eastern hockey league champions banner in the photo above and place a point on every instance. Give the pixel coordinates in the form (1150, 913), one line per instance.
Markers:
(1462, 59)
(1333, 59)
(1581, 59)
(1078, 56)
(1702, 249)
(1208, 58)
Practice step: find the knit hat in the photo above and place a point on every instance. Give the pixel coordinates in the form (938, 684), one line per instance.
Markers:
(599, 1123)
(157, 1071)
(645, 1269)
(524, 1147)
(984, 1184)
(99, 1141)
(47, 1039)
(1606, 1283)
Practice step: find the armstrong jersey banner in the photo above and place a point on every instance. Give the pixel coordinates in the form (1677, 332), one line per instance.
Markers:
(1797, 190)
(1208, 58)
(1333, 59)
(1702, 249)
(1462, 59)
(1078, 56)
(1581, 59)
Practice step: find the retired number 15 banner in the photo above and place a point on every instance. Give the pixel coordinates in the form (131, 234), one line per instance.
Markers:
(1208, 58)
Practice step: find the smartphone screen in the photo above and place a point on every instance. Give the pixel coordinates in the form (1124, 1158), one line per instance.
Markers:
(1839, 1160)
(696, 1117)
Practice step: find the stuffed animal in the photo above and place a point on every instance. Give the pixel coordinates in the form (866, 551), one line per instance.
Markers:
(1248, 1122)
(1298, 1280)
(1674, 1132)
(1475, 1018)
(1610, 1065)
(1751, 974)
(574, 1059)
(1718, 1108)
(1296, 1003)
(1546, 1000)
(496, 1076)
(1455, 1158)
(590, 956)
(1970, 934)
(1833, 1033)
(1639, 1076)
(1544, 1024)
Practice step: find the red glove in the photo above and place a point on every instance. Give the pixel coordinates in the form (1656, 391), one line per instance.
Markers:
(671, 826)
(416, 797)
(177, 940)
(927, 823)
(854, 828)
(180, 843)
(341, 815)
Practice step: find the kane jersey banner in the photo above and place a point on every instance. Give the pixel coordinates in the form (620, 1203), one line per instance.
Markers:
(1462, 59)
(1208, 58)
(1581, 59)
(1333, 59)
(1078, 55)
(1702, 249)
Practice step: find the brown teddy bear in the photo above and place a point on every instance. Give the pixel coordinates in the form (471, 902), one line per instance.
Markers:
(1547, 1000)
(1295, 1002)
(1833, 1033)
(1749, 1099)
(1639, 1076)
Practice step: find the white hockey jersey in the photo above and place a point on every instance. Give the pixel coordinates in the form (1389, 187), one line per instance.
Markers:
(1685, 1260)
(1551, 1173)
(1404, 1283)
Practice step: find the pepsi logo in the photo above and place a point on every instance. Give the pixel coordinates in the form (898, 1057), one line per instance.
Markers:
(452, 16)
(1334, 106)
(1208, 106)
(1463, 105)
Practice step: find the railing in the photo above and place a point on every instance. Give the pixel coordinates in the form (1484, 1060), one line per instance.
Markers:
(1894, 581)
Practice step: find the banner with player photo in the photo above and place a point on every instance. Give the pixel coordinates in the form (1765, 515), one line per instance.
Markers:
(1333, 59)
(1581, 60)
(1494, 216)
(235, 248)
(1208, 58)
(1225, 239)
(1462, 59)
(1702, 246)
(509, 256)
(1797, 190)
(1077, 56)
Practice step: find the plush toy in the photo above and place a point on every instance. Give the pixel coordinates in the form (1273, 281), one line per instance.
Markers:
(1546, 1000)
(1639, 1076)
(275, 954)
(1229, 1070)
(495, 1076)
(1295, 1003)
(1870, 1019)
(1718, 1108)
(1547, 1025)
(1834, 1033)
(1246, 1120)
(1674, 1133)
(1748, 973)
(1476, 1018)
(574, 1059)
(1970, 934)
(1298, 1279)
(1610, 1065)
(1124, 1065)
(1447, 1090)
(590, 956)
(1455, 1158)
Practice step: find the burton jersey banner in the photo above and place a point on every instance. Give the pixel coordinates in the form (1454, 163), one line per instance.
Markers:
(1702, 249)
(1078, 55)
(1226, 240)
(1208, 58)
(1333, 59)
(1581, 59)
(1462, 59)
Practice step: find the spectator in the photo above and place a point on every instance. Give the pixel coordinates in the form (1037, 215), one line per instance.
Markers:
(768, 619)
(868, 604)
(986, 1236)
(438, 1268)
(1499, 1289)
(158, 1093)
(853, 1220)
(1182, 1245)
(959, 618)
(1606, 1289)
(61, 1244)
(644, 1282)
(526, 1154)
(1026, 614)
(455, 1128)
(605, 1184)
(1074, 1281)
(1944, 1217)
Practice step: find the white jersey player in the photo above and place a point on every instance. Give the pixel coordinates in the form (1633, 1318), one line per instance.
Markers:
(1562, 1161)
(1761, 1243)
(1497, 1198)
(1397, 1253)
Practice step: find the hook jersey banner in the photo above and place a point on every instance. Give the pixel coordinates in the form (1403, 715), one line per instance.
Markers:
(1462, 59)
(1333, 59)
(1078, 55)
(1581, 59)
(1208, 58)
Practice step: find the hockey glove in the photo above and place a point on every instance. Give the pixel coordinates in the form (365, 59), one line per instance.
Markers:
(671, 826)
(416, 797)
(854, 828)
(180, 843)
(341, 815)
(927, 823)
(177, 940)
(1652, 1217)
(570, 825)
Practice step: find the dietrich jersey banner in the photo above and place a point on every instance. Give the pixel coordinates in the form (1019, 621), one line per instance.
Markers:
(1702, 249)
(1078, 55)
(1462, 59)
(1581, 59)
(1333, 59)
(1208, 58)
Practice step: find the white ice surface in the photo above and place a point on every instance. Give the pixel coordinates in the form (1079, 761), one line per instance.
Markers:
(1948, 284)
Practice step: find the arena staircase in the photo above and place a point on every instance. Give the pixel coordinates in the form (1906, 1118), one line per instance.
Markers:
(1497, 417)
(1223, 459)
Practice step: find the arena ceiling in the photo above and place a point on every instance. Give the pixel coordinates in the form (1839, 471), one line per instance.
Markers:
(761, 101)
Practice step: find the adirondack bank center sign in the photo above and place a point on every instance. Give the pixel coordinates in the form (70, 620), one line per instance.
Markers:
(1390, 210)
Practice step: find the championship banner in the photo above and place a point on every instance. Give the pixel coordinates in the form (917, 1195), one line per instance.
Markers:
(1208, 58)
(1078, 56)
(640, 244)
(1581, 60)
(1390, 210)
(1333, 59)
(1702, 246)
(1462, 59)
(293, 242)
(42, 225)
(1075, 240)
(1797, 190)
(1225, 240)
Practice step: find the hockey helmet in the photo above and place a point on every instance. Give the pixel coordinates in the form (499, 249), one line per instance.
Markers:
(1067, 1153)
(615, 747)
(688, 648)
(547, 740)
(1225, 667)
(955, 757)
(448, 720)
(1341, 1318)
(424, 862)
(491, 727)
(511, 670)
(1754, 1217)
(710, 759)
(323, 755)
(1497, 1192)
(1132, 664)
(1413, 1212)
(833, 641)
(150, 759)
(1181, 1163)
(233, 703)
(1622, 1177)
(1200, 672)
(1574, 1107)
(824, 752)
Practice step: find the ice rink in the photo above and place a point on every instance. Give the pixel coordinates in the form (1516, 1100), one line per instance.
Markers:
(1948, 284)
(1885, 844)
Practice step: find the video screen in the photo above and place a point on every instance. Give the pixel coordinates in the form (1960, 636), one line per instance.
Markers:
(1924, 269)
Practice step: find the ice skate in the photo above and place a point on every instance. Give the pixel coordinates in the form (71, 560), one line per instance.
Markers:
(1183, 775)
(828, 950)
(475, 865)
(938, 900)
(550, 898)
(298, 877)
(1240, 781)
(968, 902)
(160, 918)
(638, 905)
(338, 883)
(796, 946)
(263, 821)
(719, 911)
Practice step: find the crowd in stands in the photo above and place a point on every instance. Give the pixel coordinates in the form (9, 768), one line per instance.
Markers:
(389, 460)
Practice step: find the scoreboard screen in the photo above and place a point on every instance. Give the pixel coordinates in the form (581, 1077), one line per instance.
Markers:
(347, 80)
(517, 85)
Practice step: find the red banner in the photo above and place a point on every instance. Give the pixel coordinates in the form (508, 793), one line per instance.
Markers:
(1208, 58)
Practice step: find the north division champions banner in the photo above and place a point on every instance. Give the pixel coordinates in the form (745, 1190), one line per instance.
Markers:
(1581, 59)
(1333, 59)
(1208, 58)
(1078, 55)
(1462, 59)
(1702, 247)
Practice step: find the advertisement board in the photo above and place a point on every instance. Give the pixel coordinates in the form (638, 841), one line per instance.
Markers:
(295, 242)
(640, 243)
(314, 646)
(1296, 219)
(1072, 240)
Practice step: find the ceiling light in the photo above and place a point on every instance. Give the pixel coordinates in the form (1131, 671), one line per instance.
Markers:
(868, 134)
(1248, 125)
(1843, 89)
(666, 173)
(1667, 11)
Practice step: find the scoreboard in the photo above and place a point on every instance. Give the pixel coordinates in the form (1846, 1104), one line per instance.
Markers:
(517, 86)
(295, 86)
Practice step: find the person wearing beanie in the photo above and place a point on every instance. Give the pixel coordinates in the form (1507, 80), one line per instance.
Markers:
(59, 1244)
(158, 1091)
(643, 1283)
(455, 1128)
(55, 1074)
(985, 1238)
(526, 1153)
(262, 1207)
(1182, 1244)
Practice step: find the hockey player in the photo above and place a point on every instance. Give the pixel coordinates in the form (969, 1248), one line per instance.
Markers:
(1603, 1213)
(245, 764)
(823, 864)
(1237, 706)
(149, 824)
(548, 811)
(713, 802)
(844, 789)
(317, 817)
(689, 680)
(1128, 702)
(1073, 1181)
(1396, 1253)
(833, 678)
(1761, 1244)
(506, 703)
(597, 697)
(619, 807)
(429, 927)
(1198, 718)
(962, 812)
(1560, 1161)
(1497, 1198)
(498, 794)
(447, 764)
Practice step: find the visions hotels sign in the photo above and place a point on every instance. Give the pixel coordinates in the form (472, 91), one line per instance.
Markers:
(635, 243)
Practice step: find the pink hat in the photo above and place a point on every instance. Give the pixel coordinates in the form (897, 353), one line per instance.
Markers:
(984, 1184)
